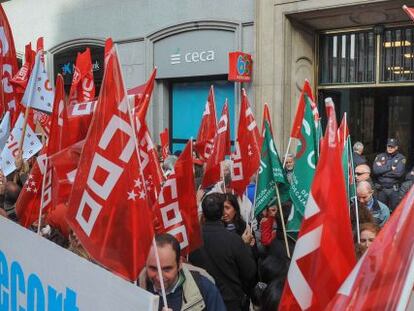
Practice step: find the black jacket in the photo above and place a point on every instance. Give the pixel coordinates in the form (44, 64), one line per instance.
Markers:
(225, 256)
(389, 168)
(358, 159)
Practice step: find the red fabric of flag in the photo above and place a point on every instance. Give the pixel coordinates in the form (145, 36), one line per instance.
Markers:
(266, 118)
(221, 148)
(29, 201)
(176, 208)
(108, 209)
(409, 11)
(21, 78)
(246, 160)
(83, 86)
(9, 65)
(324, 253)
(208, 127)
(297, 122)
(165, 143)
(382, 280)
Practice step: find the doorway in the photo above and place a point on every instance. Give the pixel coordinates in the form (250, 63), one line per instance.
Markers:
(374, 114)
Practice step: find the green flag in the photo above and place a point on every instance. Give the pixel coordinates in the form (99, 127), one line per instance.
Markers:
(348, 165)
(270, 174)
(305, 164)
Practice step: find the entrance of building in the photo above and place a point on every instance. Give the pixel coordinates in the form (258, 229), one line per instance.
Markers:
(375, 114)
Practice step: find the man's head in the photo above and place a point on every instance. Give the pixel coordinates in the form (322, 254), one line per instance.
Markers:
(290, 162)
(358, 147)
(213, 205)
(11, 194)
(392, 145)
(170, 260)
(364, 192)
(362, 172)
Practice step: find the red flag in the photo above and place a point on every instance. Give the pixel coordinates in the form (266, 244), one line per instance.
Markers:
(83, 86)
(165, 143)
(142, 91)
(221, 148)
(208, 127)
(383, 278)
(108, 209)
(176, 208)
(247, 156)
(324, 253)
(151, 167)
(29, 201)
(266, 118)
(65, 163)
(21, 78)
(409, 11)
(297, 123)
(9, 65)
(343, 131)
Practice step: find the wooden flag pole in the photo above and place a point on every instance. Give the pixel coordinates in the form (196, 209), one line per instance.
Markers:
(39, 222)
(282, 220)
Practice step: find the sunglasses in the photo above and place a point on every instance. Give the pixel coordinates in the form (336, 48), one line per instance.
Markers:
(361, 173)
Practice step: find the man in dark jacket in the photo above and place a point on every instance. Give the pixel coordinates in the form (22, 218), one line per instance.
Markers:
(388, 169)
(225, 256)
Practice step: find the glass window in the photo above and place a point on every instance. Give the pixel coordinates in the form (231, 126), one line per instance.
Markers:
(347, 58)
(397, 50)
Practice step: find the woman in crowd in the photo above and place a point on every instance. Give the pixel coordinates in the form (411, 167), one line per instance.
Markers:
(368, 232)
(233, 221)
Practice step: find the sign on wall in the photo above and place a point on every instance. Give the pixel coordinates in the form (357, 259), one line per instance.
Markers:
(193, 53)
(36, 274)
(240, 67)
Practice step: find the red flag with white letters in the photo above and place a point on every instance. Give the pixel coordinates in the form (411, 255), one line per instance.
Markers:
(208, 127)
(9, 66)
(150, 164)
(21, 78)
(246, 160)
(108, 209)
(383, 280)
(142, 91)
(221, 148)
(165, 143)
(29, 201)
(176, 208)
(324, 253)
(83, 86)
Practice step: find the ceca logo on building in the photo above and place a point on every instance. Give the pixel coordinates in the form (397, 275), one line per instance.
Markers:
(192, 57)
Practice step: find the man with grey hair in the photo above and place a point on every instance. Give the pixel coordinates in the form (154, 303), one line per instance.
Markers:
(365, 197)
(358, 158)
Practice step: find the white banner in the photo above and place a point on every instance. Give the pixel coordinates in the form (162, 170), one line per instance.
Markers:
(31, 145)
(36, 274)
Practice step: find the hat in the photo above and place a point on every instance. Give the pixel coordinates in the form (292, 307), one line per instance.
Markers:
(392, 142)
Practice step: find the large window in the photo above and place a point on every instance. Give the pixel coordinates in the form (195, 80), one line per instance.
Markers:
(397, 50)
(347, 58)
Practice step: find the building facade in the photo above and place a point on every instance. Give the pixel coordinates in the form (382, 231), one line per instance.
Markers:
(359, 52)
(188, 42)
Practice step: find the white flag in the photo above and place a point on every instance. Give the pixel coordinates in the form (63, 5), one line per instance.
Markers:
(4, 129)
(39, 92)
(31, 146)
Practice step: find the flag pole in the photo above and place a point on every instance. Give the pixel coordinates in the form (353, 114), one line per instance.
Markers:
(39, 221)
(282, 220)
(287, 152)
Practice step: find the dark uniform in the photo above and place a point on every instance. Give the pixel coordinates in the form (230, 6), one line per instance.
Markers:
(388, 170)
(407, 183)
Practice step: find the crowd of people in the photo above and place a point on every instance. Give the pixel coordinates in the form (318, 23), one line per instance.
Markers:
(243, 262)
